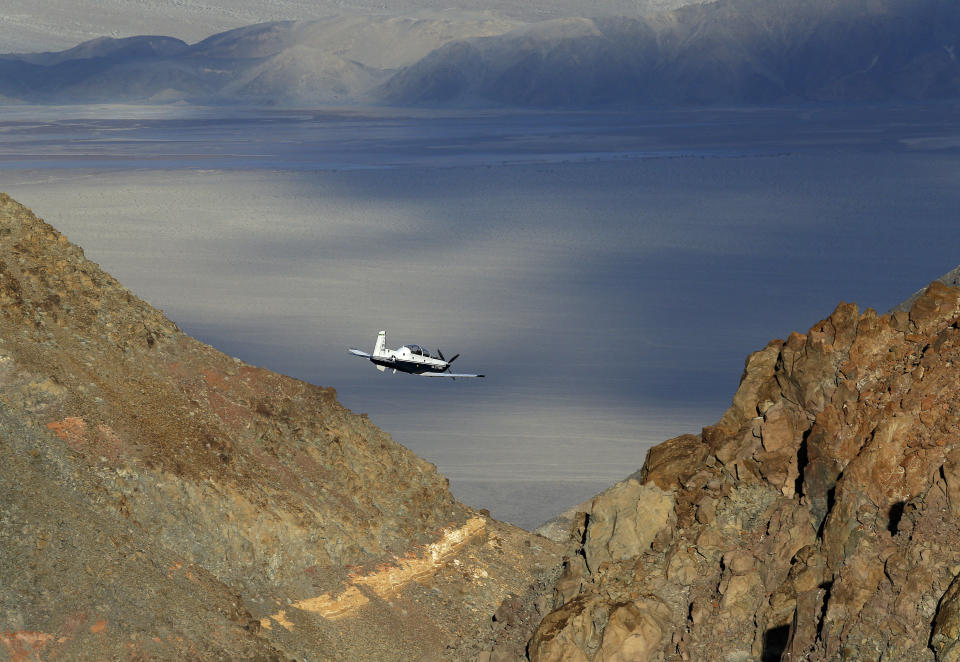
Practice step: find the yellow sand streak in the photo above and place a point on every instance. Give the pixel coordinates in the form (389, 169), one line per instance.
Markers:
(390, 579)
(281, 618)
(385, 580)
(330, 607)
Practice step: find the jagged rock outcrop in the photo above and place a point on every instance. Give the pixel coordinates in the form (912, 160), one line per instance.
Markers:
(161, 500)
(817, 520)
(950, 279)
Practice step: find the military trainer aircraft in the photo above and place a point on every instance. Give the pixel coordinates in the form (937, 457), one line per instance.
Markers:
(413, 359)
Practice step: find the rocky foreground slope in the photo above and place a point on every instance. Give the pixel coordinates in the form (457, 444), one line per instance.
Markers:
(819, 519)
(160, 500)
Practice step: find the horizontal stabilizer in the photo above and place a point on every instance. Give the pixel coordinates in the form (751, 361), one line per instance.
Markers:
(357, 352)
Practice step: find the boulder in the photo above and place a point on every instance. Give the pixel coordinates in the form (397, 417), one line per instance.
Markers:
(624, 521)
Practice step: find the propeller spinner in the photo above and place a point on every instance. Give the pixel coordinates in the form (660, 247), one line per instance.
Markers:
(440, 354)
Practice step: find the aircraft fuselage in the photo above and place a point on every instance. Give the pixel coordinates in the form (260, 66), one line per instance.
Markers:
(411, 359)
(405, 361)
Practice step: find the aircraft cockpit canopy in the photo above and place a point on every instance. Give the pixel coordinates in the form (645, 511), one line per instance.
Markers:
(417, 350)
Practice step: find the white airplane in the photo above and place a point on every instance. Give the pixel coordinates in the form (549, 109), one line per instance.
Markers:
(413, 359)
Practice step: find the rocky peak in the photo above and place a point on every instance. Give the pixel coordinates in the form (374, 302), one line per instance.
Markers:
(161, 499)
(950, 279)
(817, 520)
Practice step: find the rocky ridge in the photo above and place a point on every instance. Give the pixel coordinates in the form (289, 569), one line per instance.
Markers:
(161, 500)
(819, 519)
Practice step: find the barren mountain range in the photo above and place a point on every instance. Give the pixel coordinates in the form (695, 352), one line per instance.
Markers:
(729, 51)
(34, 25)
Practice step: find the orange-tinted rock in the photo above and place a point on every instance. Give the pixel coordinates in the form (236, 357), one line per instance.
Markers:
(951, 474)
(779, 429)
(757, 373)
(822, 524)
(667, 464)
(570, 633)
(945, 640)
(936, 306)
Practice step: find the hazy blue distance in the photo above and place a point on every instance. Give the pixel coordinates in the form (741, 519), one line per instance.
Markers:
(609, 272)
(728, 52)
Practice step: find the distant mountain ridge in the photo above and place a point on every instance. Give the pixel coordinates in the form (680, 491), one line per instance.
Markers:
(733, 51)
(48, 25)
(132, 47)
(727, 52)
(335, 60)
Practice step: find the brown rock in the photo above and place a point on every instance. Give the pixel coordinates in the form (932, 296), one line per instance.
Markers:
(570, 633)
(938, 304)
(757, 373)
(951, 474)
(802, 639)
(624, 522)
(945, 639)
(779, 429)
(668, 463)
(739, 562)
(633, 633)
(683, 567)
(822, 525)
(571, 581)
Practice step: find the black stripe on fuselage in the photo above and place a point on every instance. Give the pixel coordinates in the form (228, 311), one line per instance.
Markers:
(409, 367)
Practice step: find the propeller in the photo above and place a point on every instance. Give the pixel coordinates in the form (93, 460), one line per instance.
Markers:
(440, 354)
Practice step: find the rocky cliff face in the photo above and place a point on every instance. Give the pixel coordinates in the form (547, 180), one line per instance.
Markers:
(159, 499)
(819, 519)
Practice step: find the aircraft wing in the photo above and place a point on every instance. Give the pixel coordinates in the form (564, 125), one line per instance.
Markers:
(448, 374)
(357, 352)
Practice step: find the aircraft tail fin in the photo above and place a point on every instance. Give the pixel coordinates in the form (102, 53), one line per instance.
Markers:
(380, 348)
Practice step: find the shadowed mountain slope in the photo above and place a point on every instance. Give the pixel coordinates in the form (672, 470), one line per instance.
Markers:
(130, 47)
(732, 51)
(338, 59)
(161, 499)
(51, 24)
(726, 52)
